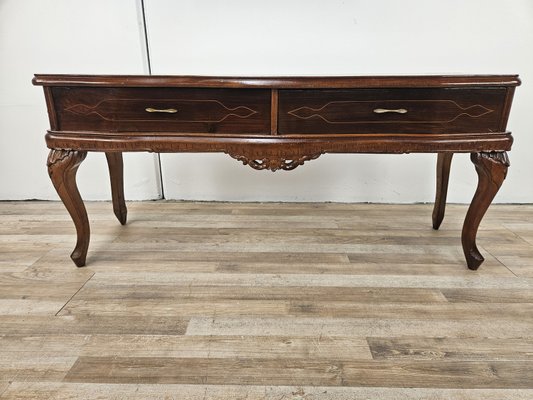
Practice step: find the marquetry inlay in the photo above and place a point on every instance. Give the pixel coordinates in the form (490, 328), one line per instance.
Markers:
(110, 110)
(342, 112)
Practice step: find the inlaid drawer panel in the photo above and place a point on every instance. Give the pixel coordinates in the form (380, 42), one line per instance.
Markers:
(429, 110)
(183, 110)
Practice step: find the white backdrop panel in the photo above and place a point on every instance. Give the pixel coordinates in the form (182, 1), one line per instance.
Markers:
(343, 37)
(63, 36)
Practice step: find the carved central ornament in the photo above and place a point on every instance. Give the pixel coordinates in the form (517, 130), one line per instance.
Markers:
(275, 162)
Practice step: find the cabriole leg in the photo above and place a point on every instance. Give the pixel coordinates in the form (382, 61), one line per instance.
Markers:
(444, 161)
(491, 169)
(62, 168)
(116, 173)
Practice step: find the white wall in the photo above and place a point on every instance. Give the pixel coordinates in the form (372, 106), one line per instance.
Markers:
(275, 37)
(339, 37)
(63, 36)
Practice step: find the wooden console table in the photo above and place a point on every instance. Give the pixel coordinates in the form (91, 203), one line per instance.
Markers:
(279, 123)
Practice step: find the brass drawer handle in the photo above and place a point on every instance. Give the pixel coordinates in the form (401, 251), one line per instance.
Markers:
(164, 110)
(386, 110)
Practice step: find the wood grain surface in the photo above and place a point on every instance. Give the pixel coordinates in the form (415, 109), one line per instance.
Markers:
(265, 301)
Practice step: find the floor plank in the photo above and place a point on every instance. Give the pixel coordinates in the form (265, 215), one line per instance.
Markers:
(471, 295)
(362, 327)
(466, 374)
(132, 345)
(34, 366)
(104, 391)
(298, 308)
(172, 278)
(87, 325)
(266, 347)
(430, 348)
(301, 293)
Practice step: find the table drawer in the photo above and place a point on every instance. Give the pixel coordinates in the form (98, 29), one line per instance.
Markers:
(187, 110)
(424, 110)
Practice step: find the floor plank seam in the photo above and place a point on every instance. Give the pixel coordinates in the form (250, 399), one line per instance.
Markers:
(4, 391)
(71, 297)
(500, 261)
(36, 262)
(517, 235)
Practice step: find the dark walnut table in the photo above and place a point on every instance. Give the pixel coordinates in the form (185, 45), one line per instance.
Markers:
(278, 123)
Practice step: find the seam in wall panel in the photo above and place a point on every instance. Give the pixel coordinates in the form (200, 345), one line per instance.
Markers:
(148, 64)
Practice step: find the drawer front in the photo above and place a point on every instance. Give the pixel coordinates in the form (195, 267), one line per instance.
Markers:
(183, 110)
(440, 110)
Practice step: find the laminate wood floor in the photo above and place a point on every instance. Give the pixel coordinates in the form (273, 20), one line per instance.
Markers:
(265, 301)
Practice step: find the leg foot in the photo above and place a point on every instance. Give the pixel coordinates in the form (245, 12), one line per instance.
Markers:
(444, 161)
(116, 173)
(491, 169)
(62, 168)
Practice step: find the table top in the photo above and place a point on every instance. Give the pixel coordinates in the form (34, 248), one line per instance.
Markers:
(286, 82)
